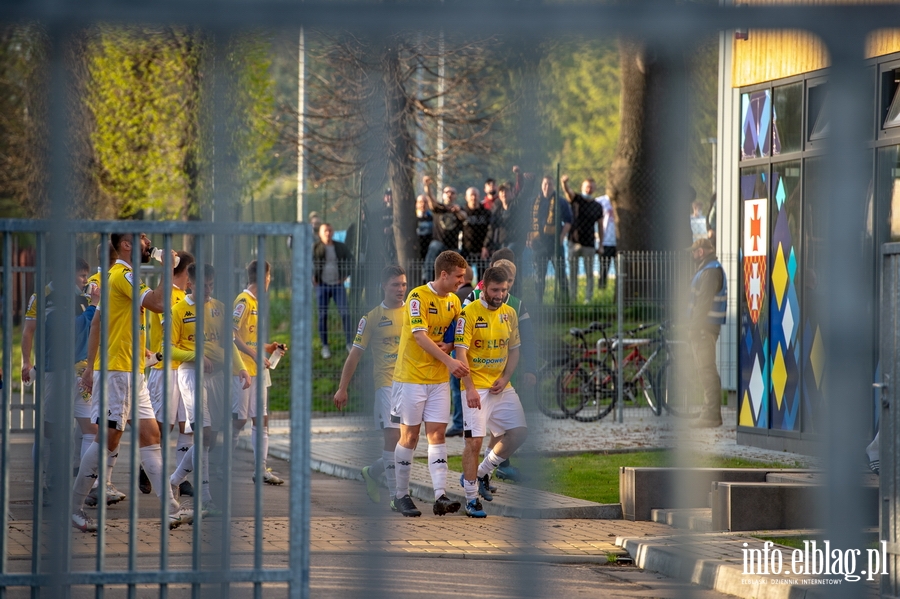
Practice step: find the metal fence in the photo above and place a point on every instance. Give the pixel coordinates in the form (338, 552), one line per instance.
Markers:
(218, 546)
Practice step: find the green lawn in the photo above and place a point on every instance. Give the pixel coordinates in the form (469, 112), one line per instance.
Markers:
(595, 477)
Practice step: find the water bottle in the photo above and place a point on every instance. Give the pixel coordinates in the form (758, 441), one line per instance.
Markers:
(158, 254)
(153, 359)
(275, 357)
(32, 374)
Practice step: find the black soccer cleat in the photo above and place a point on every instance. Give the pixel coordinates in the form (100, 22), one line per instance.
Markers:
(406, 507)
(444, 505)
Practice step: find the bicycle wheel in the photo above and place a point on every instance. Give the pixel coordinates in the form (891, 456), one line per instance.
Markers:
(570, 384)
(654, 391)
(673, 396)
(546, 395)
(598, 392)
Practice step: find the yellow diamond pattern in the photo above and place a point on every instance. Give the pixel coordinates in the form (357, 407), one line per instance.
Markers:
(746, 418)
(780, 277)
(779, 376)
(817, 357)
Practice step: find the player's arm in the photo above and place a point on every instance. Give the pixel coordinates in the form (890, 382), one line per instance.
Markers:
(512, 360)
(27, 341)
(456, 367)
(473, 400)
(340, 396)
(155, 300)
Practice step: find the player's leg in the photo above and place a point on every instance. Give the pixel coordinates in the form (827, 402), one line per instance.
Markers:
(391, 433)
(240, 407)
(436, 413)
(407, 401)
(506, 419)
(269, 477)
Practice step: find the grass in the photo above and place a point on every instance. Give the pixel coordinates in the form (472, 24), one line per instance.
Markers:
(595, 477)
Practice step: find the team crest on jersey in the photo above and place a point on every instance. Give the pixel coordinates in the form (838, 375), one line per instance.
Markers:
(480, 323)
(239, 309)
(385, 322)
(215, 312)
(362, 326)
(415, 307)
(432, 309)
(504, 318)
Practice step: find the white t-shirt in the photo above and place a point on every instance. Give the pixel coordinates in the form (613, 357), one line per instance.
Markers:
(608, 236)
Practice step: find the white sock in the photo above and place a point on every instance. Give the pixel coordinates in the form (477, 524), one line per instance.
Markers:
(207, 496)
(390, 471)
(471, 487)
(87, 475)
(403, 458)
(185, 440)
(265, 444)
(376, 468)
(151, 460)
(235, 433)
(78, 446)
(86, 441)
(491, 461)
(185, 467)
(874, 448)
(437, 465)
(111, 460)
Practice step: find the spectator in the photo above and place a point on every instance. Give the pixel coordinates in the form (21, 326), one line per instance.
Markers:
(546, 213)
(332, 261)
(447, 219)
(424, 225)
(315, 221)
(582, 237)
(698, 222)
(490, 194)
(607, 249)
(475, 228)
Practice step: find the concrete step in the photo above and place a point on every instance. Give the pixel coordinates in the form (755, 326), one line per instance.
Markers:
(696, 519)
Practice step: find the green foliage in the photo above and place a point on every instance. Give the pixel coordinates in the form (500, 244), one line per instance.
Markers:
(143, 95)
(580, 102)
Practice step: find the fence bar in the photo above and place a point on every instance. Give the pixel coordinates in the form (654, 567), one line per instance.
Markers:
(620, 320)
(7, 398)
(301, 406)
(262, 332)
(40, 367)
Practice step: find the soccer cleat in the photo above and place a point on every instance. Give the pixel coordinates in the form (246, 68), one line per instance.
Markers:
(186, 489)
(875, 466)
(445, 505)
(326, 352)
(474, 509)
(269, 478)
(179, 517)
(112, 496)
(371, 486)
(211, 510)
(508, 472)
(484, 487)
(406, 507)
(144, 483)
(112, 490)
(82, 522)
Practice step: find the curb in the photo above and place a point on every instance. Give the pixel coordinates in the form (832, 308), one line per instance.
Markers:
(536, 558)
(424, 492)
(713, 574)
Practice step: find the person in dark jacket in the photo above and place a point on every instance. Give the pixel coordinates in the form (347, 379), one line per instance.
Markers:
(706, 315)
(332, 263)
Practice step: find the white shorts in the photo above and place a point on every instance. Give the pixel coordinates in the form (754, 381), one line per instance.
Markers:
(413, 403)
(243, 405)
(215, 389)
(155, 387)
(499, 413)
(187, 382)
(118, 405)
(82, 403)
(382, 408)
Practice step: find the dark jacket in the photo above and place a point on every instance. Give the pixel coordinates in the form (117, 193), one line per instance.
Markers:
(344, 258)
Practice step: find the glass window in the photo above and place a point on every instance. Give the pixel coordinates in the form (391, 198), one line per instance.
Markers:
(787, 119)
(888, 194)
(891, 89)
(817, 122)
(756, 119)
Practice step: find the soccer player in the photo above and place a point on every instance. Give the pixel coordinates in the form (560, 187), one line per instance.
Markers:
(379, 329)
(246, 337)
(505, 258)
(110, 256)
(487, 338)
(421, 388)
(119, 380)
(155, 378)
(184, 334)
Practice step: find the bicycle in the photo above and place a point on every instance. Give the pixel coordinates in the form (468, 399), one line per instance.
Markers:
(558, 393)
(599, 377)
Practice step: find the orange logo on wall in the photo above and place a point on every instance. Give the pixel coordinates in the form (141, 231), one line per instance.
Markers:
(756, 229)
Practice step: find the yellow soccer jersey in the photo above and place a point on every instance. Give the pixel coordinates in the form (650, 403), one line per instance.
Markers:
(95, 278)
(184, 330)
(380, 329)
(31, 311)
(121, 288)
(244, 318)
(487, 335)
(425, 310)
(156, 327)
